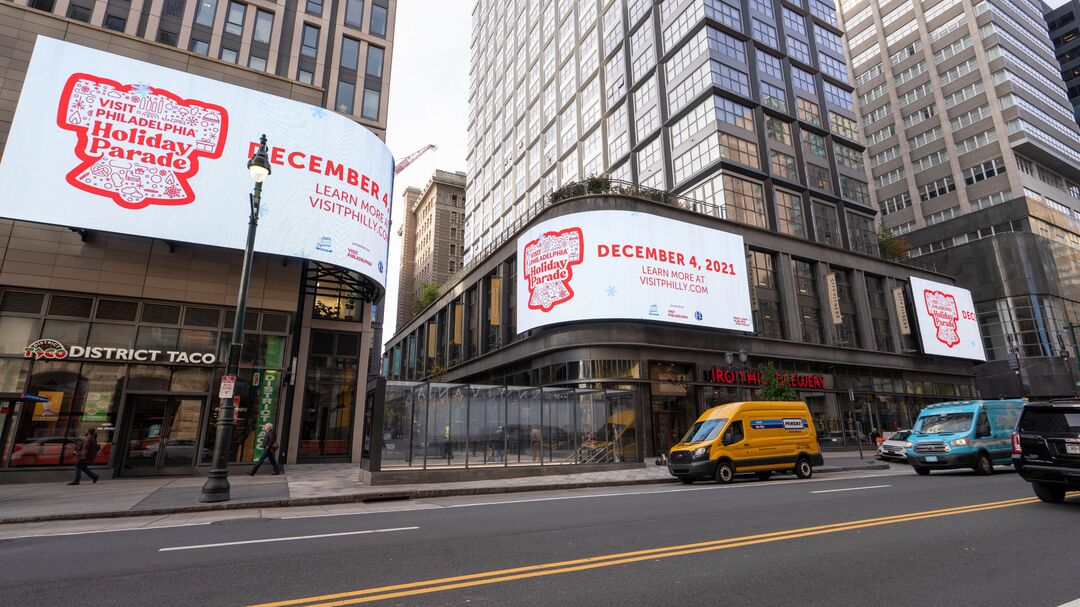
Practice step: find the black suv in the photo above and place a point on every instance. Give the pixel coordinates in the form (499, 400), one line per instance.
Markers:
(1046, 448)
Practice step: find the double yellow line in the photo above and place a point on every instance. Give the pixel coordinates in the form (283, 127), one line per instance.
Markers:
(383, 593)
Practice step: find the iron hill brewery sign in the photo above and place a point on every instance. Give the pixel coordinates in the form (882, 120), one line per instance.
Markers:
(754, 378)
(50, 349)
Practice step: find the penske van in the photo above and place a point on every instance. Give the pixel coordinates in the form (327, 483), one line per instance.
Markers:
(974, 434)
(751, 437)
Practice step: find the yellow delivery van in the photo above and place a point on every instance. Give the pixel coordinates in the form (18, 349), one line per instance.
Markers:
(751, 437)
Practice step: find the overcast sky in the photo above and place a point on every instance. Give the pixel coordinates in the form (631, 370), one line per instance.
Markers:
(429, 81)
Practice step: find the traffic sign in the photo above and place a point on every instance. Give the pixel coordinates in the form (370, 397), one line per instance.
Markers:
(228, 386)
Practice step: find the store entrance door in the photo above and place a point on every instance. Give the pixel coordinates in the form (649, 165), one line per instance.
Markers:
(162, 435)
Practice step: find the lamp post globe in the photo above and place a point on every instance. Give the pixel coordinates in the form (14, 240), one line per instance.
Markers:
(216, 487)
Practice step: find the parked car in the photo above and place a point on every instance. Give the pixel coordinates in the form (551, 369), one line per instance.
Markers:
(1046, 448)
(895, 447)
(963, 434)
(53, 451)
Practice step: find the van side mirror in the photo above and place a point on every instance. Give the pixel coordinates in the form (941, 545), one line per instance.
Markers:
(728, 436)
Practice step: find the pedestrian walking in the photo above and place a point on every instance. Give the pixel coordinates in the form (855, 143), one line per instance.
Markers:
(269, 447)
(84, 456)
(535, 438)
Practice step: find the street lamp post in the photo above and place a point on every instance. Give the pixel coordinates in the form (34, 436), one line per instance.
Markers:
(216, 487)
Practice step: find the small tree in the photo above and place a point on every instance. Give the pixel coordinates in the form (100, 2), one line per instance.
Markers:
(772, 387)
(428, 292)
(891, 245)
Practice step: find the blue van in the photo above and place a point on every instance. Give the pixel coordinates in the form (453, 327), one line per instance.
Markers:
(964, 434)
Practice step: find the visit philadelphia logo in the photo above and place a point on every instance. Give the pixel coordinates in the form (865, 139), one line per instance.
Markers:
(325, 244)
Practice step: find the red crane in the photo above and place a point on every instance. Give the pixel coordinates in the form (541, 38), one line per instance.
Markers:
(411, 158)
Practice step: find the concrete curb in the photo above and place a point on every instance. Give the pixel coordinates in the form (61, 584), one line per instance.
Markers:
(375, 496)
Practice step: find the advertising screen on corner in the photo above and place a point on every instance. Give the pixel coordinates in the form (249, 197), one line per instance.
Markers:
(108, 143)
(948, 324)
(626, 265)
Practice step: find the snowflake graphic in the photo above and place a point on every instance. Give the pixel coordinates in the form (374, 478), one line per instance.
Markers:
(173, 192)
(140, 90)
(611, 291)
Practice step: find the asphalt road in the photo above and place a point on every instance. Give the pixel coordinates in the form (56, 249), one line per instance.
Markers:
(855, 539)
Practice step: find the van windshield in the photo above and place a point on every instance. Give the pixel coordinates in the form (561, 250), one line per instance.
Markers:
(943, 423)
(706, 430)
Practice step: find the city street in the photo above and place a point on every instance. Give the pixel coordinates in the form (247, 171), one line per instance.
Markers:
(844, 539)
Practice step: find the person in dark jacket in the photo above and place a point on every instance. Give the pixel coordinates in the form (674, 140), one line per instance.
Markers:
(84, 457)
(269, 447)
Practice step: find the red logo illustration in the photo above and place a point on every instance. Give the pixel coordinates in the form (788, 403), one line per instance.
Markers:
(942, 308)
(138, 145)
(548, 267)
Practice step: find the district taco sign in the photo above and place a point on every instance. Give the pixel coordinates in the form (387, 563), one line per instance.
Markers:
(50, 349)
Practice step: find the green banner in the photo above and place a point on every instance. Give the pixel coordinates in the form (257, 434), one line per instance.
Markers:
(267, 407)
(97, 405)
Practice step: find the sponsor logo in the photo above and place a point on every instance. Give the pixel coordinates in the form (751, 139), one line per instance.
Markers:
(549, 267)
(46, 348)
(740, 321)
(699, 316)
(325, 244)
(380, 266)
(942, 308)
(654, 310)
(138, 145)
(794, 423)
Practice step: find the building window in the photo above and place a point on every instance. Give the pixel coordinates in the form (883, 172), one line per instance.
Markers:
(309, 41)
(350, 54)
(783, 165)
(80, 13)
(861, 233)
(378, 19)
(778, 130)
(200, 47)
(805, 281)
(370, 109)
(826, 224)
(768, 320)
(374, 64)
(315, 7)
(115, 23)
(811, 324)
(228, 54)
(257, 63)
(264, 26)
(206, 12)
(305, 76)
(43, 5)
(808, 111)
(345, 93)
(451, 265)
(819, 177)
(789, 214)
(234, 19)
(167, 37)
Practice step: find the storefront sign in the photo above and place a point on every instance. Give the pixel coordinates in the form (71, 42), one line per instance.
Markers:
(48, 411)
(627, 265)
(110, 143)
(901, 311)
(834, 299)
(754, 378)
(948, 325)
(266, 410)
(50, 349)
(97, 405)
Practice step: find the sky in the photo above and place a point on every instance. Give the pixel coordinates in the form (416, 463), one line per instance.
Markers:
(429, 82)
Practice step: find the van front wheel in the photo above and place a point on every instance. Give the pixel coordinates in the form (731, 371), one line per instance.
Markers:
(725, 473)
(983, 465)
(803, 469)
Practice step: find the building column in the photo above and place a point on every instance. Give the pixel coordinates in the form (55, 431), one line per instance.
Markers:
(789, 299)
(862, 311)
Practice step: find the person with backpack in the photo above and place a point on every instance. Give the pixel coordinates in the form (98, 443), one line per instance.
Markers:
(84, 456)
(269, 447)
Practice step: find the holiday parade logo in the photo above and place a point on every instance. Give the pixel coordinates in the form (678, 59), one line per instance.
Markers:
(549, 267)
(942, 308)
(139, 145)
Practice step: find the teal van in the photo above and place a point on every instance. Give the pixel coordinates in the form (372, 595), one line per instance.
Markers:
(972, 434)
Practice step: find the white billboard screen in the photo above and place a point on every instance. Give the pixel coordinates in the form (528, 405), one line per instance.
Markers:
(626, 265)
(109, 143)
(948, 324)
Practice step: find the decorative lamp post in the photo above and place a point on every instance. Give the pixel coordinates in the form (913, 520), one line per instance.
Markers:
(216, 487)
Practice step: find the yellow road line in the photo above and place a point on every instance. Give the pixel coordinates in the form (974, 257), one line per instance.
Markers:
(517, 573)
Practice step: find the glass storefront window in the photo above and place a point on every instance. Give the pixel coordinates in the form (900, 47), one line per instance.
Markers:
(13, 374)
(157, 338)
(191, 380)
(148, 378)
(198, 341)
(17, 333)
(111, 336)
(67, 332)
(45, 435)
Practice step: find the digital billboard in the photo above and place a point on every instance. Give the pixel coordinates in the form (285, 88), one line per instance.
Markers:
(627, 265)
(947, 321)
(108, 143)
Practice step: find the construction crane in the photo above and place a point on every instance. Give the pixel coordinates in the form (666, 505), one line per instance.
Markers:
(411, 158)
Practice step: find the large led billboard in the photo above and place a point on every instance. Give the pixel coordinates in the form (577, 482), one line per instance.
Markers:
(108, 143)
(948, 324)
(625, 265)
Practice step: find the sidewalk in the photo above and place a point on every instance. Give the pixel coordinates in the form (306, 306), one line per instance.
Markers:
(303, 485)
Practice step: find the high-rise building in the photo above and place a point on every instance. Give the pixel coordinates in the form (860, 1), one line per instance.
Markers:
(1065, 35)
(975, 159)
(963, 108)
(719, 100)
(342, 47)
(432, 237)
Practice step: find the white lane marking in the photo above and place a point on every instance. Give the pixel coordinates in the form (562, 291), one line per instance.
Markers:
(285, 539)
(1075, 603)
(144, 528)
(852, 489)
